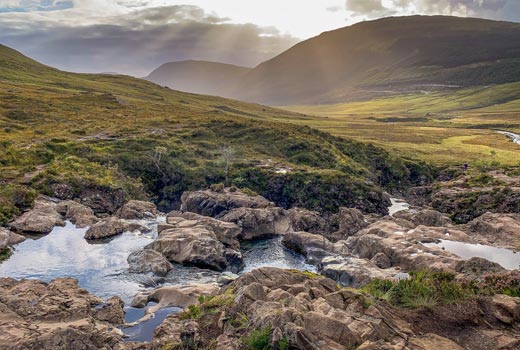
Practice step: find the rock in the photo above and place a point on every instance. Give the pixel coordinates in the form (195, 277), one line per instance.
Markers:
(352, 272)
(381, 260)
(138, 210)
(148, 260)
(8, 238)
(111, 226)
(424, 217)
(351, 220)
(313, 247)
(78, 214)
(476, 268)
(226, 232)
(102, 200)
(257, 223)
(173, 296)
(39, 220)
(432, 342)
(58, 315)
(497, 229)
(217, 204)
(506, 308)
(192, 245)
(111, 312)
(303, 220)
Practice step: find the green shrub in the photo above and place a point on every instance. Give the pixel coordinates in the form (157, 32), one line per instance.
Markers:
(13, 200)
(258, 339)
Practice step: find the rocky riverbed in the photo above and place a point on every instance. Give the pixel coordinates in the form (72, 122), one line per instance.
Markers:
(238, 265)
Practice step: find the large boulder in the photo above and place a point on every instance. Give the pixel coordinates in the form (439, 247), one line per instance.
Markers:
(148, 260)
(57, 315)
(192, 244)
(226, 232)
(313, 247)
(218, 203)
(259, 222)
(476, 268)
(39, 220)
(79, 214)
(111, 226)
(138, 210)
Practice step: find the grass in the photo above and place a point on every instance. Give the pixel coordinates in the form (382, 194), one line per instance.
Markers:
(106, 131)
(422, 289)
(444, 128)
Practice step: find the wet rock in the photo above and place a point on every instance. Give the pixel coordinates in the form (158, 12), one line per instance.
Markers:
(148, 260)
(257, 223)
(193, 245)
(476, 268)
(217, 204)
(173, 296)
(424, 217)
(79, 214)
(138, 210)
(39, 220)
(58, 315)
(111, 226)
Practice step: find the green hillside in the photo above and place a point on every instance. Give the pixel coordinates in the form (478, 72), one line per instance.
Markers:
(106, 131)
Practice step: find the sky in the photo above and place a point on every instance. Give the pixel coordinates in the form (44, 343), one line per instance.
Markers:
(136, 36)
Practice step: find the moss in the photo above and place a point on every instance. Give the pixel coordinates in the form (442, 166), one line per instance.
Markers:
(5, 253)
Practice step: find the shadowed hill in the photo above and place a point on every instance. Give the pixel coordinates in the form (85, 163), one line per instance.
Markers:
(201, 77)
(388, 56)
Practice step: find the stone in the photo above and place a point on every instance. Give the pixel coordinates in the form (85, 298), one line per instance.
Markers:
(138, 210)
(217, 204)
(424, 217)
(39, 220)
(259, 222)
(111, 226)
(476, 268)
(79, 214)
(148, 260)
(8, 238)
(381, 260)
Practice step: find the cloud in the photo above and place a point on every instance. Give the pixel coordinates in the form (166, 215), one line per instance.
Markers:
(33, 5)
(478, 8)
(138, 41)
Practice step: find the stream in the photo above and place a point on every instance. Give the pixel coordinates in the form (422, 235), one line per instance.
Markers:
(514, 137)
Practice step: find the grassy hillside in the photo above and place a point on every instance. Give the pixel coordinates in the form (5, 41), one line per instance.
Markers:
(443, 128)
(388, 56)
(106, 132)
(200, 77)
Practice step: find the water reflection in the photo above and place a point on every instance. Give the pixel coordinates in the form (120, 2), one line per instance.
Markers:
(505, 257)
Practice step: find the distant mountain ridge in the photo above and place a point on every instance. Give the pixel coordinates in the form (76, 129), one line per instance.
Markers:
(200, 77)
(382, 57)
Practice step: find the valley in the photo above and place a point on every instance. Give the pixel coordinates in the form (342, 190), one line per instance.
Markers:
(371, 201)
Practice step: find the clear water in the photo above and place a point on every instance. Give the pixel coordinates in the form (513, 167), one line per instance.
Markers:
(102, 267)
(509, 259)
(143, 331)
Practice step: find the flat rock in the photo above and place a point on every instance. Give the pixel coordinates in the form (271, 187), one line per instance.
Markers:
(148, 260)
(138, 210)
(39, 220)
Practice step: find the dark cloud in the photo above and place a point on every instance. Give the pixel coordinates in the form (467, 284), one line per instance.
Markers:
(138, 42)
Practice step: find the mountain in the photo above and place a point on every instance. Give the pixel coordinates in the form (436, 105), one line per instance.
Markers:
(201, 77)
(71, 135)
(388, 56)
(370, 59)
